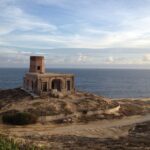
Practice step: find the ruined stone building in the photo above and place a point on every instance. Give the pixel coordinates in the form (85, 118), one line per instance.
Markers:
(41, 83)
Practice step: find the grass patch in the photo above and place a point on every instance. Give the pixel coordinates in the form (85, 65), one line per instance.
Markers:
(9, 144)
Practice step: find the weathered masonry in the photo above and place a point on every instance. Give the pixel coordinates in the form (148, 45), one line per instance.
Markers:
(41, 83)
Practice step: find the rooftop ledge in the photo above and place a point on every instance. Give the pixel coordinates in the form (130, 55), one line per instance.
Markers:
(48, 74)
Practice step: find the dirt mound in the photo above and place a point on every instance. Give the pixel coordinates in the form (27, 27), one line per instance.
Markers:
(80, 107)
(18, 100)
(131, 107)
(13, 94)
(11, 97)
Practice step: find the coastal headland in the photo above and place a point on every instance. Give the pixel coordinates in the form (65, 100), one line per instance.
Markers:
(78, 121)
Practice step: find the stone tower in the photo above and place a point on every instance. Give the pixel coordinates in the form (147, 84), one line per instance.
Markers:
(37, 64)
(51, 84)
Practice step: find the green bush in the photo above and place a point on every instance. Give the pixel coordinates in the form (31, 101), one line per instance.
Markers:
(9, 144)
(19, 118)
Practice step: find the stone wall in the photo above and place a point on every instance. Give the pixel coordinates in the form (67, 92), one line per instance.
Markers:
(45, 85)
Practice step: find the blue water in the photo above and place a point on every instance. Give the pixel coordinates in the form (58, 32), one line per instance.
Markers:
(114, 83)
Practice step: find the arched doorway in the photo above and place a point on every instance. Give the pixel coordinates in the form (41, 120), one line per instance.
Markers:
(57, 84)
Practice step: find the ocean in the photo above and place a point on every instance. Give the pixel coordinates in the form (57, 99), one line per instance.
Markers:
(113, 83)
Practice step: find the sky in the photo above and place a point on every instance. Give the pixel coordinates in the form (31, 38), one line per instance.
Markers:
(75, 33)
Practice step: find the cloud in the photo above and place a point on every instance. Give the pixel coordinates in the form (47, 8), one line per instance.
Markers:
(129, 32)
(15, 19)
(20, 58)
(75, 32)
(82, 58)
(146, 58)
(110, 59)
(53, 2)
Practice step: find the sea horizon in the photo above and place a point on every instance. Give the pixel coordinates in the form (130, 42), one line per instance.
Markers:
(79, 68)
(112, 83)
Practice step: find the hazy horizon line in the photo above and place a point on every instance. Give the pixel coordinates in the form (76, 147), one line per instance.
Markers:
(80, 68)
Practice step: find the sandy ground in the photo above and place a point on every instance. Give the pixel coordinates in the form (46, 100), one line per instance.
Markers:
(101, 129)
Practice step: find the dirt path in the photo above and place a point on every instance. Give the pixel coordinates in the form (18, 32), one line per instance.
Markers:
(102, 129)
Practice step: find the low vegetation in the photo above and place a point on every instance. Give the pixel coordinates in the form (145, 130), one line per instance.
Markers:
(10, 144)
(19, 118)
